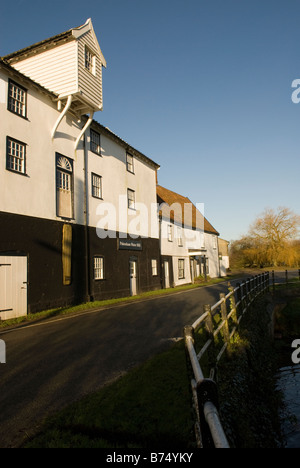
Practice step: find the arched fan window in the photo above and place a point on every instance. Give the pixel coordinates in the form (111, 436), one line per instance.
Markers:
(64, 163)
(64, 187)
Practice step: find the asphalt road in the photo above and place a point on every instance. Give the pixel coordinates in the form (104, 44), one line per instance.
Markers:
(50, 364)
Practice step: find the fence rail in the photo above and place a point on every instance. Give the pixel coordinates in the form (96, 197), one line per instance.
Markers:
(218, 324)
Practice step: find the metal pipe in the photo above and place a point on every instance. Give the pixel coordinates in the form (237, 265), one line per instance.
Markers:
(63, 113)
(199, 320)
(88, 123)
(194, 361)
(215, 426)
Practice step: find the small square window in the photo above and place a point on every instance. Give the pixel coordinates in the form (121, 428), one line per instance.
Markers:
(98, 268)
(95, 142)
(131, 199)
(16, 156)
(17, 99)
(129, 163)
(96, 186)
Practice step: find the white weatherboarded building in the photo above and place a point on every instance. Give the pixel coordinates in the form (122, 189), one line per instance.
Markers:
(69, 65)
(188, 242)
(59, 171)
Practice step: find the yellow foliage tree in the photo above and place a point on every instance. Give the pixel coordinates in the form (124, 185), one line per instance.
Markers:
(271, 240)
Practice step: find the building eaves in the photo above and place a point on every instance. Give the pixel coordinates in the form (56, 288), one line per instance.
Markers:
(130, 149)
(46, 42)
(169, 197)
(18, 75)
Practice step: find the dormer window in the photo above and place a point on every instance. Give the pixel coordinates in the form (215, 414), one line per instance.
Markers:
(90, 61)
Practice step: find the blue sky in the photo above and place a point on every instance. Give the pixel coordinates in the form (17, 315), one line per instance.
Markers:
(203, 87)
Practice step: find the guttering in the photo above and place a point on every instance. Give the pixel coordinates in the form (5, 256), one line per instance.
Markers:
(63, 113)
(88, 123)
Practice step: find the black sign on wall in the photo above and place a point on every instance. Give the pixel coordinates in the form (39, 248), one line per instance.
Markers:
(130, 244)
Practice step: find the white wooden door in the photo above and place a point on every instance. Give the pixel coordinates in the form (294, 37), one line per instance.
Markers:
(133, 276)
(13, 287)
(167, 274)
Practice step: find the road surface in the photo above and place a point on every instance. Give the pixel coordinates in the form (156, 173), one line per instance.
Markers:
(52, 363)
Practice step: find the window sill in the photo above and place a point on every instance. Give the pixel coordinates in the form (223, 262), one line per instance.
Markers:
(19, 173)
(19, 115)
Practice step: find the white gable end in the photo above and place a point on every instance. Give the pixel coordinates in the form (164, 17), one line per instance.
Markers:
(69, 64)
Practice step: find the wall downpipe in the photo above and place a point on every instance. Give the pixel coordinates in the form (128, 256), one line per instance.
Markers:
(88, 123)
(88, 292)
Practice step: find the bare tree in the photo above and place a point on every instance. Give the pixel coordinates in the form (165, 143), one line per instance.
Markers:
(271, 239)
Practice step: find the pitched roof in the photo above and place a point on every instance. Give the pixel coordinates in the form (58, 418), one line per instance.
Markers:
(66, 36)
(191, 217)
(133, 151)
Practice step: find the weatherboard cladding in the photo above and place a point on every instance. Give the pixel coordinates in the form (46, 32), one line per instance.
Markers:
(55, 68)
(58, 64)
(90, 85)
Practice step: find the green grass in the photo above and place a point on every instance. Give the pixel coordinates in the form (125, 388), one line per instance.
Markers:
(150, 407)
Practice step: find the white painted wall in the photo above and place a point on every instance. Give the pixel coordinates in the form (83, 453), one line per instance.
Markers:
(35, 193)
(196, 240)
(55, 69)
(112, 212)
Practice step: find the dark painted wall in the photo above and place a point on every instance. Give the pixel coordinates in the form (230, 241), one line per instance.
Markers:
(41, 241)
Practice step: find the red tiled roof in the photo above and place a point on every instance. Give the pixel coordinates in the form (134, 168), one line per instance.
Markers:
(167, 196)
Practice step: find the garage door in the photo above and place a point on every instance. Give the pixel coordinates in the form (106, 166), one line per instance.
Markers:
(13, 287)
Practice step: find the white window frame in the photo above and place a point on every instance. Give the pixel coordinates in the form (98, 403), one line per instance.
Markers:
(170, 232)
(64, 186)
(96, 186)
(89, 60)
(131, 199)
(130, 163)
(179, 236)
(95, 142)
(154, 265)
(98, 267)
(181, 268)
(17, 99)
(15, 156)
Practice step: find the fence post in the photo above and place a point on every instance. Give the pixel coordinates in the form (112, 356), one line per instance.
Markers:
(268, 281)
(188, 332)
(225, 318)
(239, 297)
(286, 277)
(255, 285)
(260, 283)
(273, 280)
(233, 305)
(209, 326)
(243, 296)
(248, 291)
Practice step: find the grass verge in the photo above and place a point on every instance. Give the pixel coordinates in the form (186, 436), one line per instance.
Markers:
(51, 313)
(150, 407)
